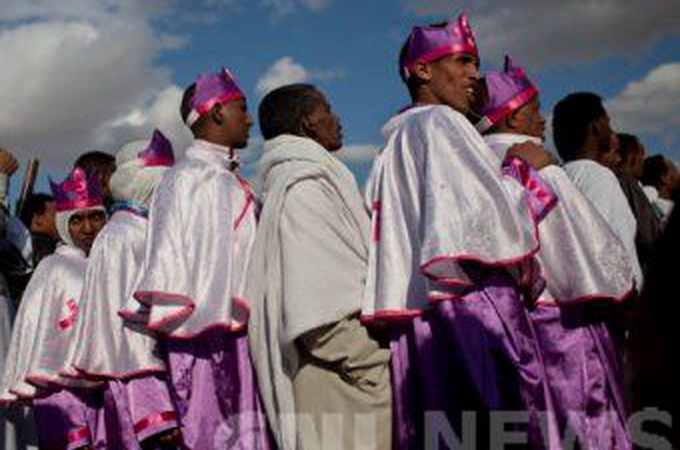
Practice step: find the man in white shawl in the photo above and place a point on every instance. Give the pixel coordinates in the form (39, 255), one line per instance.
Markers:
(324, 380)
(200, 233)
(107, 347)
(66, 411)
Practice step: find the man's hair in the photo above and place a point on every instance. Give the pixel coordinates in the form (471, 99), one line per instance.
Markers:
(33, 205)
(281, 111)
(629, 145)
(571, 118)
(654, 169)
(94, 161)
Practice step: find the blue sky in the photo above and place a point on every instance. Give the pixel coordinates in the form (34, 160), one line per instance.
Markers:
(99, 73)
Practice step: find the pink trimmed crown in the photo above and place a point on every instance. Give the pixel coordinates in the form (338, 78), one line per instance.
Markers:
(429, 43)
(213, 88)
(507, 91)
(159, 152)
(79, 190)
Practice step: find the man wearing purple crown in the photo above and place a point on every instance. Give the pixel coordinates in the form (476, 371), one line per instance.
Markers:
(451, 262)
(66, 411)
(583, 262)
(138, 408)
(200, 233)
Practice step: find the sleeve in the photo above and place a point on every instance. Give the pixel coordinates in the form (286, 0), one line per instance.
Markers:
(322, 272)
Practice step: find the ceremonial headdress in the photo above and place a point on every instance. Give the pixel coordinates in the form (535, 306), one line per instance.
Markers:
(212, 88)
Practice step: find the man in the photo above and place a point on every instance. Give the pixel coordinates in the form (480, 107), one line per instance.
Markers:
(201, 230)
(660, 179)
(583, 136)
(451, 259)
(629, 172)
(583, 262)
(105, 347)
(102, 164)
(66, 411)
(39, 216)
(313, 357)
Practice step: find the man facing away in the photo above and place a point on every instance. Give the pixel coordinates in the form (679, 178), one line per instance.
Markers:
(138, 407)
(66, 411)
(325, 380)
(583, 137)
(201, 230)
(451, 262)
(583, 262)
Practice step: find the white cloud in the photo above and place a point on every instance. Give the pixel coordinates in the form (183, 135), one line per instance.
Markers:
(283, 71)
(650, 105)
(82, 76)
(358, 153)
(552, 31)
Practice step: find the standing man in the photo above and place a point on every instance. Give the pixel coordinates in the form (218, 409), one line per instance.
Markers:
(66, 411)
(451, 263)
(201, 230)
(39, 216)
(583, 262)
(314, 358)
(583, 137)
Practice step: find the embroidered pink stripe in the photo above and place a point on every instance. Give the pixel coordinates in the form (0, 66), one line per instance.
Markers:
(541, 198)
(155, 420)
(375, 232)
(440, 52)
(513, 104)
(78, 434)
(70, 319)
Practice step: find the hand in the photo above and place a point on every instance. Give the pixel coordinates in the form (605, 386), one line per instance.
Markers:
(533, 154)
(8, 163)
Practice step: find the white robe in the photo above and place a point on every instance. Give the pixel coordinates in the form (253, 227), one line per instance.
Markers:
(580, 256)
(45, 326)
(438, 199)
(201, 230)
(106, 345)
(600, 185)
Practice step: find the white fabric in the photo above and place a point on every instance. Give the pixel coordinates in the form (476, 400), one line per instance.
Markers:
(580, 255)
(42, 333)
(308, 263)
(600, 185)
(201, 229)
(131, 180)
(106, 345)
(438, 197)
(664, 206)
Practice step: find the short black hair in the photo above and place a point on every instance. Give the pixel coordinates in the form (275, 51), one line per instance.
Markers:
(629, 145)
(654, 169)
(33, 205)
(571, 118)
(281, 111)
(94, 161)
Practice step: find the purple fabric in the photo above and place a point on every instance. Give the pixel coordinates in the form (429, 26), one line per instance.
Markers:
(507, 91)
(584, 369)
(137, 409)
(215, 392)
(159, 152)
(68, 418)
(477, 353)
(79, 190)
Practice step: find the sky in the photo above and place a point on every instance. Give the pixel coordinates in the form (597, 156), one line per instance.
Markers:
(95, 74)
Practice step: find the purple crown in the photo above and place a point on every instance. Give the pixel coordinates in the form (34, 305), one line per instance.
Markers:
(212, 88)
(507, 91)
(80, 190)
(159, 152)
(430, 43)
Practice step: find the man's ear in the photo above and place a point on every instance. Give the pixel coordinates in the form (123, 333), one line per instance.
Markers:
(217, 113)
(307, 127)
(422, 70)
(513, 120)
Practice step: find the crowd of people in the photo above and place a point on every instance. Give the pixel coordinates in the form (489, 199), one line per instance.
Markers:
(479, 292)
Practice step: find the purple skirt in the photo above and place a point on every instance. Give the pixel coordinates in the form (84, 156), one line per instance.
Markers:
(474, 354)
(585, 371)
(215, 393)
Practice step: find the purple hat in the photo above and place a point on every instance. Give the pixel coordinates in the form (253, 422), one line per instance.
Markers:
(429, 43)
(80, 190)
(158, 153)
(212, 88)
(507, 91)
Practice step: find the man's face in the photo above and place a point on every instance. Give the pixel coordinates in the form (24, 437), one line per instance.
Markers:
(104, 176)
(84, 227)
(612, 156)
(637, 161)
(529, 120)
(670, 179)
(237, 123)
(46, 222)
(452, 81)
(607, 139)
(324, 126)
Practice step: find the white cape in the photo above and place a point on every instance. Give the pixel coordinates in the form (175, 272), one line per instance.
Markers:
(580, 255)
